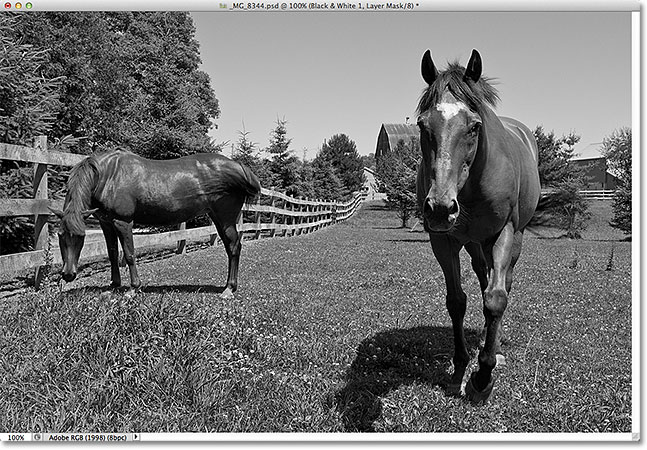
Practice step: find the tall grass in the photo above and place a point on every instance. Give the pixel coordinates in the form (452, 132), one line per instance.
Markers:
(341, 330)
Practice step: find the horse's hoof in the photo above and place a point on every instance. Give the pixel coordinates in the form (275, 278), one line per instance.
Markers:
(227, 294)
(478, 397)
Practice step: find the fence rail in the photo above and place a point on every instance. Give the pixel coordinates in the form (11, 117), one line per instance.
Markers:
(600, 194)
(273, 214)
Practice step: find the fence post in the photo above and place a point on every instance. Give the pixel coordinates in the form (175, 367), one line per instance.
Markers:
(273, 217)
(297, 220)
(288, 220)
(239, 225)
(258, 221)
(181, 244)
(40, 192)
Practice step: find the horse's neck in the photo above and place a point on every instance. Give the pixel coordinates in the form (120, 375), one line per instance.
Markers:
(80, 187)
(486, 160)
(76, 201)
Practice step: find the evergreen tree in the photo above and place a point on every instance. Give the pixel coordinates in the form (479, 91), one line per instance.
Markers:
(397, 171)
(554, 156)
(563, 206)
(617, 150)
(327, 185)
(284, 166)
(342, 154)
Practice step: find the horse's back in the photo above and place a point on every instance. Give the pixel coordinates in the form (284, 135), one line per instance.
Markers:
(168, 191)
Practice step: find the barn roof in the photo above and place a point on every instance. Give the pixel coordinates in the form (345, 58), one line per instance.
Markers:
(398, 131)
(591, 151)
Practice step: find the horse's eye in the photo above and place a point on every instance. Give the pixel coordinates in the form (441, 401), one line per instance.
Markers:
(475, 128)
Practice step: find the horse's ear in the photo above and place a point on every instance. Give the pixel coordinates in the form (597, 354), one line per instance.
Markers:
(57, 212)
(474, 67)
(87, 213)
(429, 72)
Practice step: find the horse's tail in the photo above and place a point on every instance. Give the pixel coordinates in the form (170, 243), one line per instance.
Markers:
(249, 184)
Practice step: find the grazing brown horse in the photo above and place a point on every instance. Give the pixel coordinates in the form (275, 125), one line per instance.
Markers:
(477, 187)
(121, 188)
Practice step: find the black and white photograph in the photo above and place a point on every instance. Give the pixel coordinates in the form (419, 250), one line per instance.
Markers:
(348, 221)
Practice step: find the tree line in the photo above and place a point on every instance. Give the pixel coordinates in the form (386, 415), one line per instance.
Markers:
(95, 81)
(335, 173)
(564, 207)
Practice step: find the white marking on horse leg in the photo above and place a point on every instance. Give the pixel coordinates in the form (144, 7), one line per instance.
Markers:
(449, 110)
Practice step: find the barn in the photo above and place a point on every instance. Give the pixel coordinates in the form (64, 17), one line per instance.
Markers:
(595, 167)
(390, 134)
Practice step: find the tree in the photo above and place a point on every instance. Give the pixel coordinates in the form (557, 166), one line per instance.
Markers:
(563, 206)
(397, 172)
(131, 79)
(342, 154)
(29, 99)
(283, 164)
(29, 102)
(369, 161)
(327, 185)
(616, 148)
(568, 208)
(554, 155)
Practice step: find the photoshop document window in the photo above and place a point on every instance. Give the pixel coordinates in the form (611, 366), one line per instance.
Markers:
(319, 221)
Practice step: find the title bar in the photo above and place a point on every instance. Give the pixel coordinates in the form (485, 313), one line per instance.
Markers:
(363, 6)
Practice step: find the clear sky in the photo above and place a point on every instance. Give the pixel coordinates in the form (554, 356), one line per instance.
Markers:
(328, 73)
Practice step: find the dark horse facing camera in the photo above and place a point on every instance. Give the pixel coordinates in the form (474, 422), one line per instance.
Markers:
(477, 187)
(121, 188)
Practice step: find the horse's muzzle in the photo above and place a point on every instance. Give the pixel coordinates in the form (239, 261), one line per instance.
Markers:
(440, 217)
(69, 276)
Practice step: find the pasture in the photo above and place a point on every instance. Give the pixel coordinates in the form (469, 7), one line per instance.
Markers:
(341, 330)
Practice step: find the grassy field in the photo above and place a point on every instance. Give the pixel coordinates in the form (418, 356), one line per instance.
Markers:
(341, 330)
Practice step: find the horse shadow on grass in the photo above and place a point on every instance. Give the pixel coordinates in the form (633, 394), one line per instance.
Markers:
(389, 360)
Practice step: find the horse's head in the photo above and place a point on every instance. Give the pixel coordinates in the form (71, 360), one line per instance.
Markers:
(450, 127)
(71, 236)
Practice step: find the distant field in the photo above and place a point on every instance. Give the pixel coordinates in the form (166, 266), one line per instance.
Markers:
(341, 330)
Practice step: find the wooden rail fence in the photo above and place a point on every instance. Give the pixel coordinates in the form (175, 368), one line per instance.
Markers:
(600, 194)
(273, 214)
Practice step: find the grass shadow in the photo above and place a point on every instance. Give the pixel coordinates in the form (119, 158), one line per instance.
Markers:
(391, 359)
(423, 240)
(149, 289)
(184, 288)
(377, 206)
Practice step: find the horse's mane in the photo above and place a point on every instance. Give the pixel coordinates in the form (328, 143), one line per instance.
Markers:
(80, 186)
(475, 95)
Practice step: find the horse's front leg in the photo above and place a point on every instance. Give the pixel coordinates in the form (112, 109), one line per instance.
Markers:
(112, 245)
(495, 300)
(446, 249)
(125, 233)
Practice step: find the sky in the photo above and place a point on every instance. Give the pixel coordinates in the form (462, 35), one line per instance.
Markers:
(330, 73)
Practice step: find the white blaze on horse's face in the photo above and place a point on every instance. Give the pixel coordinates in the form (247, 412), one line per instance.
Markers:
(449, 139)
(449, 110)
